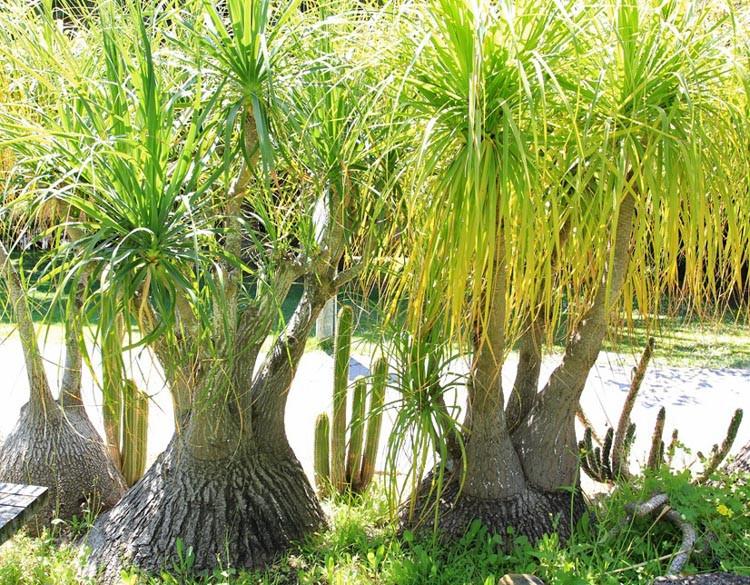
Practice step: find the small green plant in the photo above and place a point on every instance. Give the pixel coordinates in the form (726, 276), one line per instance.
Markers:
(342, 466)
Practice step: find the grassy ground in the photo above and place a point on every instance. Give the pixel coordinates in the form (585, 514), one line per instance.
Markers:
(689, 342)
(362, 547)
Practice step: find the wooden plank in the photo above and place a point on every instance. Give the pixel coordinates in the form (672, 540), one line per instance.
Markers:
(18, 503)
(24, 490)
(16, 500)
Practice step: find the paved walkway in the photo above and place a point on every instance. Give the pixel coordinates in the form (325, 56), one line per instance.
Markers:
(701, 399)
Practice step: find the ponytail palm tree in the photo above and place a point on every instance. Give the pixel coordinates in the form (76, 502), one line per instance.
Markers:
(218, 159)
(54, 442)
(571, 155)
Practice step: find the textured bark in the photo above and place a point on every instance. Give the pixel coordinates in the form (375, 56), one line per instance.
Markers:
(70, 389)
(271, 387)
(41, 398)
(241, 511)
(60, 450)
(526, 384)
(493, 470)
(530, 512)
(238, 498)
(546, 439)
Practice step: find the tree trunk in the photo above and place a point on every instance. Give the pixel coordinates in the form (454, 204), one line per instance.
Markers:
(530, 512)
(526, 384)
(242, 510)
(493, 470)
(546, 439)
(51, 446)
(518, 480)
(234, 492)
(60, 450)
(494, 489)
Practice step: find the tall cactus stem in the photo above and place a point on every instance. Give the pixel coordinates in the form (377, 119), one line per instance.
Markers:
(619, 455)
(673, 443)
(655, 456)
(606, 452)
(356, 432)
(322, 454)
(342, 352)
(134, 432)
(718, 454)
(374, 424)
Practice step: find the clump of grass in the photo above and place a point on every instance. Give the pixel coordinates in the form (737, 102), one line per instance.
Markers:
(363, 546)
(39, 561)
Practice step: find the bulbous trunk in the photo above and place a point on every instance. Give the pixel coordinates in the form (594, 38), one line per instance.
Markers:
(241, 510)
(529, 512)
(61, 450)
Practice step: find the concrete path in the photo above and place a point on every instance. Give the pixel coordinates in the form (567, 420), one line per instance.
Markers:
(699, 401)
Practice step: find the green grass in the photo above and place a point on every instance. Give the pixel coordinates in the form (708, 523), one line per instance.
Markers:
(362, 547)
(688, 342)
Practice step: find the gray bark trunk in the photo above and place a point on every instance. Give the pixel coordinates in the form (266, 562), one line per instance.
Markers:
(493, 470)
(546, 440)
(271, 388)
(50, 446)
(70, 389)
(238, 498)
(242, 511)
(61, 450)
(526, 384)
(530, 512)
(41, 397)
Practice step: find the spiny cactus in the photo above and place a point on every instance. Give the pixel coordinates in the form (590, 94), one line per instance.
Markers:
(342, 352)
(718, 454)
(656, 453)
(356, 431)
(322, 453)
(134, 432)
(609, 463)
(374, 423)
(340, 465)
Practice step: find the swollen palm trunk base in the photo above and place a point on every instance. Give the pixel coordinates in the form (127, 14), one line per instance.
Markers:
(240, 511)
(61, 450)
(531, 513)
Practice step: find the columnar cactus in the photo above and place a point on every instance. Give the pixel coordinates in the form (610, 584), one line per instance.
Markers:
(718, 454)
(322, 453)
(343, 466)
(609, 463)
(374, 422)
(342, 352)
(125, 413)
(356, 431)
(134, 432)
